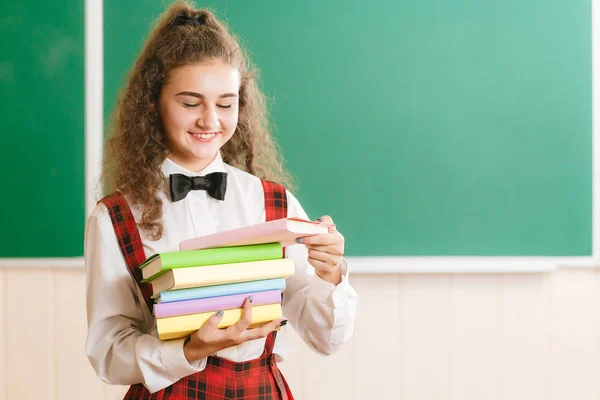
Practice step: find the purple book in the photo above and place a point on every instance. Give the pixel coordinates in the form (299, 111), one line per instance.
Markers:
(197, 306)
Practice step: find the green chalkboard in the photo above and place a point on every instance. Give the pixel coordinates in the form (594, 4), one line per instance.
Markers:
(434, 127)
(42, 128)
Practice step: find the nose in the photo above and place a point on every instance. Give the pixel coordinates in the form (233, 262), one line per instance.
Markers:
(209, 120)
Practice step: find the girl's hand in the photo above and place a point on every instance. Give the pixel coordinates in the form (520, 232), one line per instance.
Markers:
(209, 339)
(325, 252)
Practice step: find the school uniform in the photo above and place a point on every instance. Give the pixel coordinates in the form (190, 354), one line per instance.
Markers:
(122, 342)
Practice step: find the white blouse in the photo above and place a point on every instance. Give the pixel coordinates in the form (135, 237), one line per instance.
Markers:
(122, 343)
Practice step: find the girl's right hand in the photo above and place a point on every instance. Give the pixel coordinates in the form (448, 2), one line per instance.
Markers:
(209, 339)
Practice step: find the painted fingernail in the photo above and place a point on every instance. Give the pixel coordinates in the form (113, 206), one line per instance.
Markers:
(300, 240)
(250, 299)
(284, 322)
(219, 313)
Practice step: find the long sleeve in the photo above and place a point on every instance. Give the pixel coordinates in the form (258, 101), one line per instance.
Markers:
(323, 314)
(120, 344)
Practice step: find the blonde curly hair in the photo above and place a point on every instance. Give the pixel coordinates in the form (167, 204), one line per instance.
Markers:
(136, 147)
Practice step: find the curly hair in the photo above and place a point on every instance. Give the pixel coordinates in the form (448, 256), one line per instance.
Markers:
(136, 147)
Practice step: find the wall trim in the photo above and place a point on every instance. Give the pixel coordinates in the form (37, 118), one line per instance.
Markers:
(42, 263)
(378, 265)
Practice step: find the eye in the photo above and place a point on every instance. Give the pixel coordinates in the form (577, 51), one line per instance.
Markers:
(224, 105)
(188, 105)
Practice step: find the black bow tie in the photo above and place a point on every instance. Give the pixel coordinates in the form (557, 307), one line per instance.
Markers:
(215, 185)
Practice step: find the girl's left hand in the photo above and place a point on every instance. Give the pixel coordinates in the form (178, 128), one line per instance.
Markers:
(325, 252)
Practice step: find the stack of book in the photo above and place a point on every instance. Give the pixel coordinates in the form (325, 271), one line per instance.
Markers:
(219, 271)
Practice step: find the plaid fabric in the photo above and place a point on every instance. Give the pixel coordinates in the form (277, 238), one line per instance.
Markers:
(257, 379)
(275, 200)
(129, 240)
(222, 379)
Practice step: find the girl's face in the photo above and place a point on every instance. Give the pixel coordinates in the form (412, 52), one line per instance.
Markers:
(199, 110)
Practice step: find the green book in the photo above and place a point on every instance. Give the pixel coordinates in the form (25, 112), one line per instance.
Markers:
(160, 263)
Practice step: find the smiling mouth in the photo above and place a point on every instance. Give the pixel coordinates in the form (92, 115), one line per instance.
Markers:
(204, 137)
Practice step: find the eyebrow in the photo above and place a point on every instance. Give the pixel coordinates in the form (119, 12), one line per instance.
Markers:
(201, 96)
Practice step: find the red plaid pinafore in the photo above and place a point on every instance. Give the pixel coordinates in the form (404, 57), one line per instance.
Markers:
(258, 379)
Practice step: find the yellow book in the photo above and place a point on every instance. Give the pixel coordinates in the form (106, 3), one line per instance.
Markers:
(209, 275)
(182, 326)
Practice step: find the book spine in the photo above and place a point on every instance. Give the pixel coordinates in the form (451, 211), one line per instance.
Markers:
(232, 273)
(222, 290)
(215, 303)
(247, 234)
(224, 255)
(182, 326)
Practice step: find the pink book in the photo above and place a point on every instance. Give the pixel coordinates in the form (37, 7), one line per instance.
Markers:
(284, 231)
(197, 306)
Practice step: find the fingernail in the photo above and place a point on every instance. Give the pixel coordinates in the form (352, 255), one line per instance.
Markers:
(219, 314)
(320, 219)
(283, 322)
(300, 240)
(250, 299)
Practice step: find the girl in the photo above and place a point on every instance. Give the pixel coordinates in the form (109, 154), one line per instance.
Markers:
(192, 108)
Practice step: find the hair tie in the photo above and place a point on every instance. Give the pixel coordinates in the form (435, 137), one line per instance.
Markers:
(185, 20)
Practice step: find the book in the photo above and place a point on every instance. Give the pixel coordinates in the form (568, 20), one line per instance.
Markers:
(215, 303)
(284, 231)
(208, 275)
(221, 290)
(160, 263)
(182, 326)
